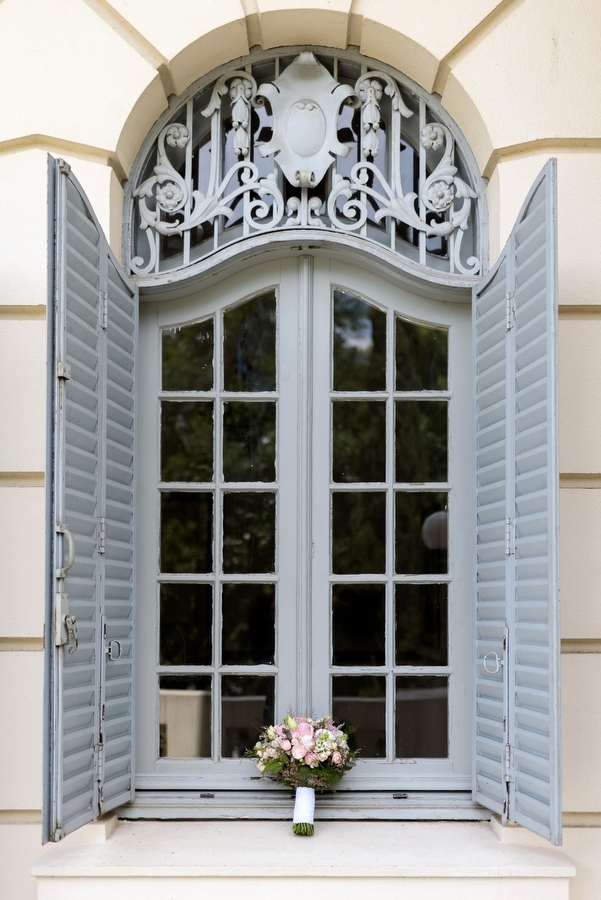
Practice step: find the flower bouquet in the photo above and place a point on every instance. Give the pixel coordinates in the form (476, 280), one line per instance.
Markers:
(305, 754)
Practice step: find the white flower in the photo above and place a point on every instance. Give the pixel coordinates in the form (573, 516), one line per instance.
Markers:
(178, 136)
(432, 137)
(440, 195)
(169, 196)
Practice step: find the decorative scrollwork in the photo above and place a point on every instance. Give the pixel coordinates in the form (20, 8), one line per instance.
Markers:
(305, 103)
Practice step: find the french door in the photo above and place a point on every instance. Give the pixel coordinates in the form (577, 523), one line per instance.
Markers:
(305, 531)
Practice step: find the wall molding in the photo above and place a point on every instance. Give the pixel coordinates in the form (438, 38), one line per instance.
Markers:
(52, 144)
(21, 479)
(530, 148)
(580, 645)
(574, 480)
(24, 312)
(471, 40)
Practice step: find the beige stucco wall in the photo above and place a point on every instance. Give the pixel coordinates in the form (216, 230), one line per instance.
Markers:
(86, 79)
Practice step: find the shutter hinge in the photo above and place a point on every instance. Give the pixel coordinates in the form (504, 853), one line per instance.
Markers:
(104, 310)
(508, 762)
(509, 311)
(64, 167)
(59, 833)
(101, 541)
(98, 762)
(509, 537)
(63, 370)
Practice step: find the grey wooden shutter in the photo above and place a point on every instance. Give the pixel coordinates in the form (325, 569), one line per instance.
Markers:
(88, 751)
(517, 746)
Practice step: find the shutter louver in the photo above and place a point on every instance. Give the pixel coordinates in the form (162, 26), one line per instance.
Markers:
(534, 649)
(517, 708)
(116, 703)
(90, 579)
(491, 505)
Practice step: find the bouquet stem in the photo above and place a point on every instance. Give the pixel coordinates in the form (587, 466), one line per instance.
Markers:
(304, 811)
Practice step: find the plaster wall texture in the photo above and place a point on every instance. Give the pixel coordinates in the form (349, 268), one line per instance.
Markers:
(21, 674)
(23, 395)
(580, 529)
(581, 731)
(22, 519)
(579, 276)
(579, 387)
(97, 76)
(19, 845)
(23, 186)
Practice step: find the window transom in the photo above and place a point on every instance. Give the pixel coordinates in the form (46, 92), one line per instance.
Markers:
(305, 141)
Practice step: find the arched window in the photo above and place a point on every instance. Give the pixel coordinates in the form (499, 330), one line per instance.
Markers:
(318, 523)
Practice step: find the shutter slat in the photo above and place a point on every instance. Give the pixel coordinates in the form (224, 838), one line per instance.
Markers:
(518, 448)
(101, 364)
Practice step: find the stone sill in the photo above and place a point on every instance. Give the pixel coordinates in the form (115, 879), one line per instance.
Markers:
(268, 849)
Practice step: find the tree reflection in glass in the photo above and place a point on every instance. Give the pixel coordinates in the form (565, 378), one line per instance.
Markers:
(187, 355)
(359, 344)
(249, 362)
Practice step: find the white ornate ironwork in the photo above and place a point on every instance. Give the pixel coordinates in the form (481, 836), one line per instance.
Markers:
(308, 185)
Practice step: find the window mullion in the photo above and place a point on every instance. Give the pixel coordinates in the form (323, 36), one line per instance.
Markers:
(390, 526)
(216, 713)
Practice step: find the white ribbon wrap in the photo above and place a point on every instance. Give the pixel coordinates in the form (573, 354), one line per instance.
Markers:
(304, 806)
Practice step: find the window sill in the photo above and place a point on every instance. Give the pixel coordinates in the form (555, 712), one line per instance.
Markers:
(422, 852)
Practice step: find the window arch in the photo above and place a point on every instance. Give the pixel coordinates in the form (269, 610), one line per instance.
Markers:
(422, 223)
(323, 143)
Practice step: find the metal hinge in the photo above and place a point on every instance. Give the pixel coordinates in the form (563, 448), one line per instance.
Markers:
(509, 537)
(508, 762)
(509, 311)
(104, 310)
(101, 532)
(98, 762)
(64, 167)
(63, 370)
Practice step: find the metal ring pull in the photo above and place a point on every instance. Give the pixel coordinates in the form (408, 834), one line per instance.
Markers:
(114, 650)
(497, 661)
(61, 528)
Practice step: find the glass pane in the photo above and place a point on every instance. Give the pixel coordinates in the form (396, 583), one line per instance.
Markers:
(248, 635)
(186, 624)
(359, 440)
(249, 345)
(188, 358)
(360, 701)
(358, 625)
(421, 357)
(186, 532)
(186, 441)
(421, 440)
(422, 717)
(247, 705)
(248, 533)
(421, 533)
(421, 624)
(185, 716)
(248, 441)
(359, 533)
(359, 345)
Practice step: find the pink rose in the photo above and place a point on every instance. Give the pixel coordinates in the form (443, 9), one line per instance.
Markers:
(285, 745)
(312, 760)
(305, 730)
(298, 751)
(336, 758)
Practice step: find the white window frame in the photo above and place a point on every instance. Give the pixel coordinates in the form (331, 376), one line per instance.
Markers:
(303, 545)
